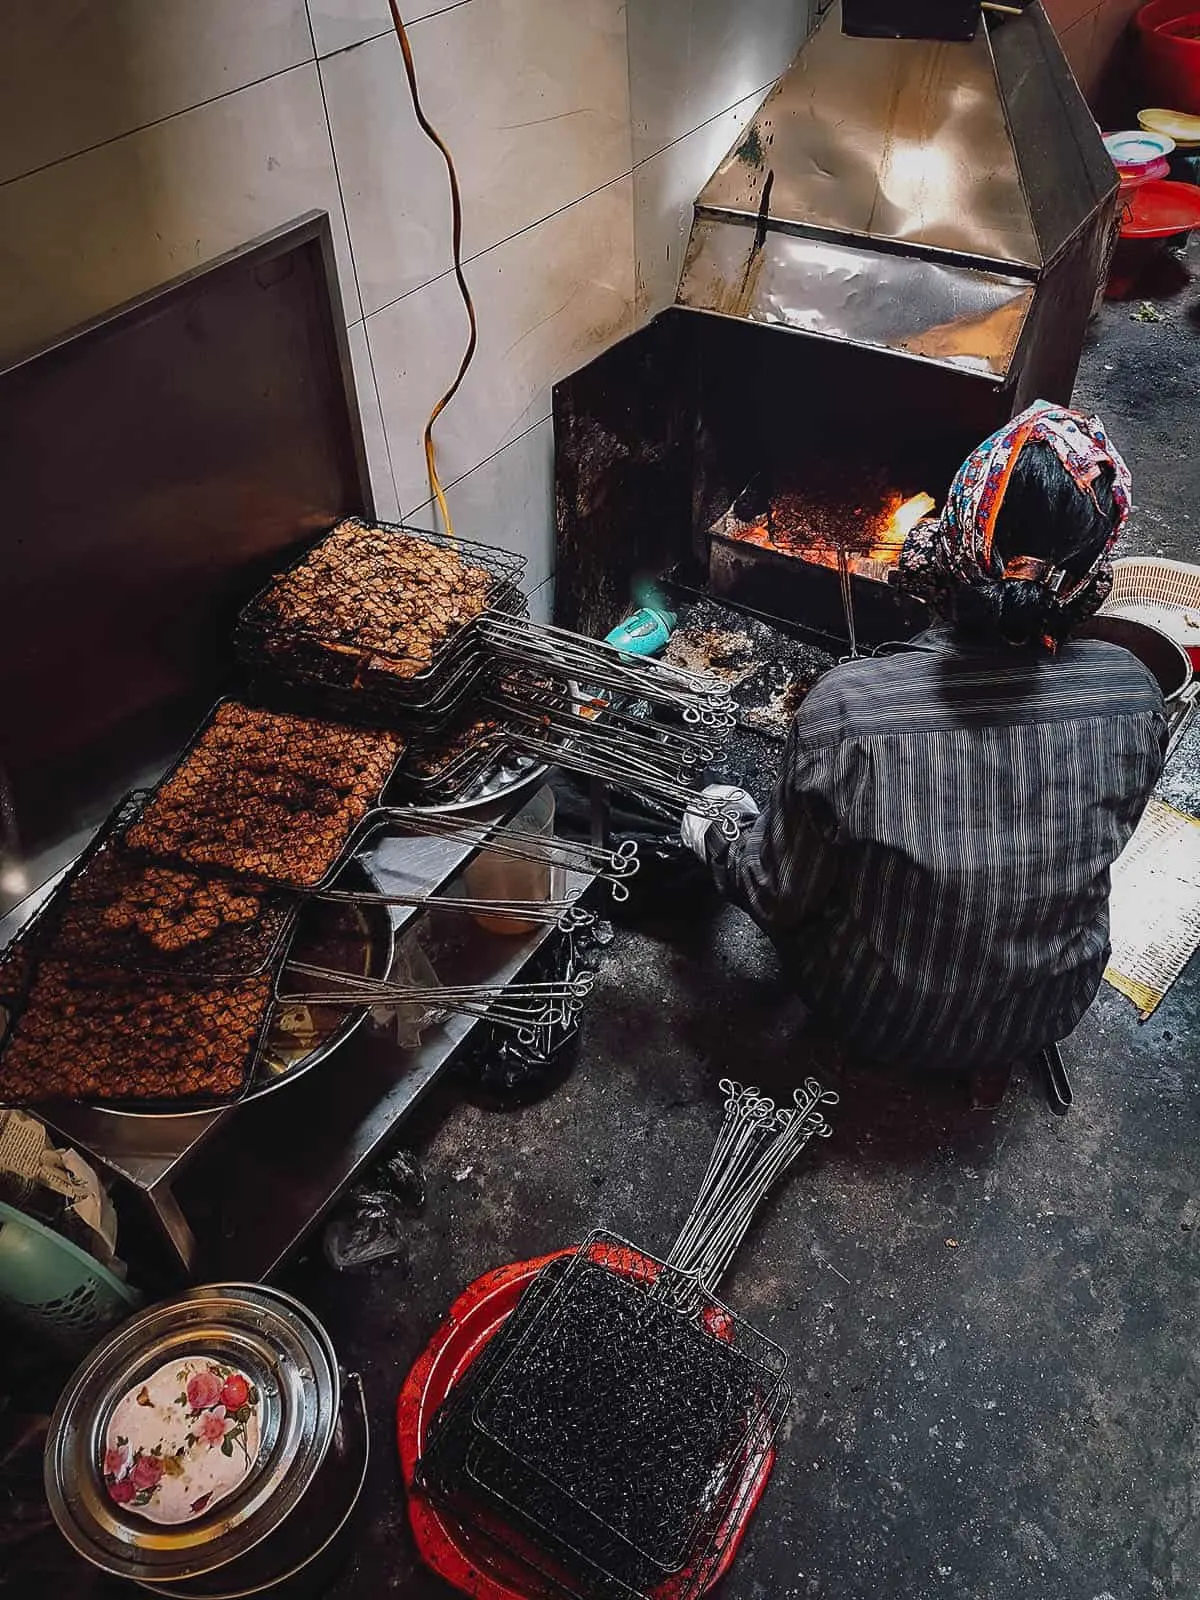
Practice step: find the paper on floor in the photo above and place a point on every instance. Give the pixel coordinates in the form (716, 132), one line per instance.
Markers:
(1155, 906)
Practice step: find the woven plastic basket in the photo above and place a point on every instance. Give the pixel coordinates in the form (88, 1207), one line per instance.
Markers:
(51, 1288)
(1153, 581)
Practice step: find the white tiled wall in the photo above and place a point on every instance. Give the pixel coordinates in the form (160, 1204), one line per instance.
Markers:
(698, 71)
(532, 96)
(140, 137)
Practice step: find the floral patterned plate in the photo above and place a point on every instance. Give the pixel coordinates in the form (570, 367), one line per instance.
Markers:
(182, 1441)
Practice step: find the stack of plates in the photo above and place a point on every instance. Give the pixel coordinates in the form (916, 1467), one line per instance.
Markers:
(1179, 126)
(1139, 156)
(1184, 129)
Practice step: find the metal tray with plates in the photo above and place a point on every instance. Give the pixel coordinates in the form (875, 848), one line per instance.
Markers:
(282, 1350)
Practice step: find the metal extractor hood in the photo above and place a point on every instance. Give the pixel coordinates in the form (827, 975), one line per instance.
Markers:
(917, 196)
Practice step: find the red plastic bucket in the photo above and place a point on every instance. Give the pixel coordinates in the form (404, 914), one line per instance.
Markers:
(1182, 27)
(1169, 31)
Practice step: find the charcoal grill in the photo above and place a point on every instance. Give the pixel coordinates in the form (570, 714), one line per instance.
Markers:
(901, 252)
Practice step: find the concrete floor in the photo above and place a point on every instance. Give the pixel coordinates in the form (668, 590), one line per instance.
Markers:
(992, 1316)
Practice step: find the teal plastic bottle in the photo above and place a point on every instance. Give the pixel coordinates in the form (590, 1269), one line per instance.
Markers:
(644, 633)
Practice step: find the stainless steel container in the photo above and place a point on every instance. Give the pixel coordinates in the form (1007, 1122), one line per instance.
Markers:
(301, 1489)
(1156, 650)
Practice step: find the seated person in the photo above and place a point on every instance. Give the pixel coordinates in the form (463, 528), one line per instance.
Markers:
(934, 863)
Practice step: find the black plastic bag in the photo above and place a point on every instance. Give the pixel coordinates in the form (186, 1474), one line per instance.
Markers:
(501, 1069)
(372, 1223)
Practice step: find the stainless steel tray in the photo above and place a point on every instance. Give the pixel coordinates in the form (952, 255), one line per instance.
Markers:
(288, 1357)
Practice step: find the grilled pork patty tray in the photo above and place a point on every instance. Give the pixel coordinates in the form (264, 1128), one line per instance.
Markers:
(368, 600)
(144, 1038)
(267, 795)
(135, 915)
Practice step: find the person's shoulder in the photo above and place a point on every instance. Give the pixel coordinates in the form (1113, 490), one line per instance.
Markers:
(1128, 682)
(849, 693)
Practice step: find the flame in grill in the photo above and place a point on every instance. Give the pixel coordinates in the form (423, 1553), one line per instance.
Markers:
(870, 557)
(901, 521)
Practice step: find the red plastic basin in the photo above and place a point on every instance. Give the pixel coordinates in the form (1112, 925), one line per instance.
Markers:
(1181, 27)
(1160, 209)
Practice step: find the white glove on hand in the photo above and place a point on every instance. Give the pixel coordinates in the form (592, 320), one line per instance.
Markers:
(695, 825)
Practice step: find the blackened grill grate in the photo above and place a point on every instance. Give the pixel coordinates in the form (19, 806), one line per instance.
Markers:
(629, 1407)
(613, 1422)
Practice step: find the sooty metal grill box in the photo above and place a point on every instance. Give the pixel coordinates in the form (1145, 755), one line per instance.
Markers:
(901, 251)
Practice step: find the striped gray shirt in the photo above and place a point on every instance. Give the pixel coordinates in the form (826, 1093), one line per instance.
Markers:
(934, 864)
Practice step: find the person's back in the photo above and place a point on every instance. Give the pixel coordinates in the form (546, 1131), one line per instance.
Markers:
(954, 910)
(935, 862)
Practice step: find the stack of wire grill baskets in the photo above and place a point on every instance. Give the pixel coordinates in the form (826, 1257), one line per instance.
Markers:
(651, 749)
(472, 655)
(443, 767)
(331, 652)
(158, 1000)
(493, 666)
(111, 957)
(615, 1435)
(73, 919)
(527, 716)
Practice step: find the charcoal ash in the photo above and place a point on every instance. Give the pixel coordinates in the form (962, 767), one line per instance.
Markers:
(728, 653)
(770, 671)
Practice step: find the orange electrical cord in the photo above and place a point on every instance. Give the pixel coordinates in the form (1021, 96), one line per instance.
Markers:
(431, 133)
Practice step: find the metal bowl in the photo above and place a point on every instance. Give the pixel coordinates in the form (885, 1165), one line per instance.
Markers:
(504, 784)
(1156, 651)
(287, 1356)
(374, 949)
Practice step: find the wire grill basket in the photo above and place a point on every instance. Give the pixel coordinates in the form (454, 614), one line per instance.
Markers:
(135, 1040)
(386, 611)
(617, 1422)
(113, 911)
(609, 1431)
(444, 766)
(268, 796)
(588, 1562)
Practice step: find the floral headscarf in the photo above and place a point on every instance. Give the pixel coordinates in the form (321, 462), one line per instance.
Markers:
(939, 557)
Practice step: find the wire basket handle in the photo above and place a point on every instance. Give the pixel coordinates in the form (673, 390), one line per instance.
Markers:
(757, 1143)
(613, 865)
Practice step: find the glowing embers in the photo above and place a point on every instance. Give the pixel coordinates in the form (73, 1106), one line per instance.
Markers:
(824, 520)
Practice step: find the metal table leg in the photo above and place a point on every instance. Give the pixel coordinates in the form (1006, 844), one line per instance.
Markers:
(174, 1224)
(600, 813)
(1058, 1085)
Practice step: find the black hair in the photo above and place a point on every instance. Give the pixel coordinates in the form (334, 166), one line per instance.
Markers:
(1043, 514)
